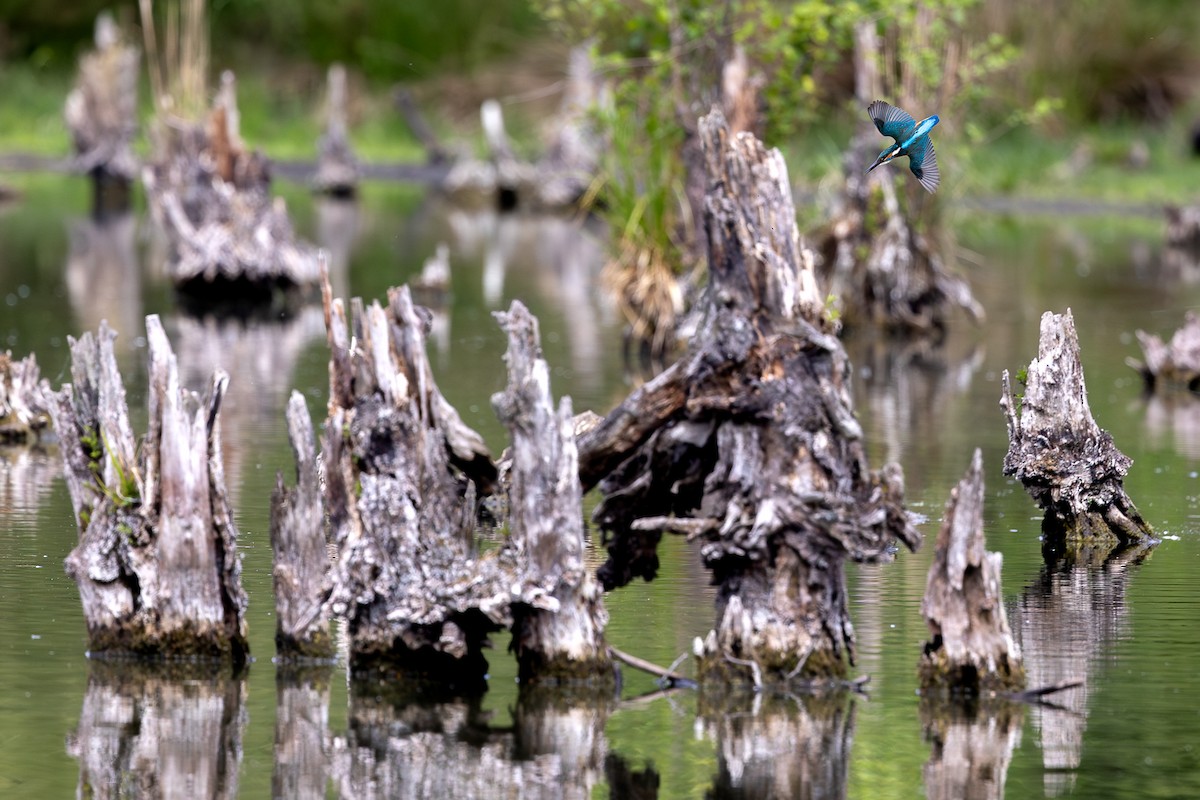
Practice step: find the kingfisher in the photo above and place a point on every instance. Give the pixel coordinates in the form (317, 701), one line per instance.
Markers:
(912, 140)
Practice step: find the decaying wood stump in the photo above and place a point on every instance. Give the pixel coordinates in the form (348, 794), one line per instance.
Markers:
(749, 443)
(154, 733)
(971, 747)
(1069, 466)
(1176, 364)
(880, 271)
(24, 402)
(782, 746)
(101, 113)
(298, 542)
(337, 167)
(156, 563)
(972, 648)
(228, 236)
(560, 633)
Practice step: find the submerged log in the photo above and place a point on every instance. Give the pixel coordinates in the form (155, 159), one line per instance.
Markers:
(558, 624)
(24, 401)
(298, 542)
(101, 113)
(228, 236)
(1176, 364)
(749, 443)
(880, 271)
(1069, 466)
(156, 563)
(337, 167)
(158, 733)
(972, 649)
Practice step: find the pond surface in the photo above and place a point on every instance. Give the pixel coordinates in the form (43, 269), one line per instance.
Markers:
(1125, 626)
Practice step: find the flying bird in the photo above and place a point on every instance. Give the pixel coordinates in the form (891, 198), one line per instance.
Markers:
(912, 140)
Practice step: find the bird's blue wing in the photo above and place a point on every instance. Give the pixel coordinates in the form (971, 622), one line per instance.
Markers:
(891, 121)
(923, 163)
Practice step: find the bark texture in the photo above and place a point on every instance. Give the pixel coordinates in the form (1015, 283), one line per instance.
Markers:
(749, 443)
(212, 198)
(971, 648)
(559, 633)
(298, 543)
(337, 166)
(1069, 466)
(1175, 364)
(154, 734)
(24, 401)
(156, 562)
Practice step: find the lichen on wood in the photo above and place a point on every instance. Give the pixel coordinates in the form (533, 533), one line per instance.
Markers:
(156, 562)
(749, 443)
(972, 649)
(559, 619)
(1068, 464)
(24, 405)
(1175, 364)
(298, 542)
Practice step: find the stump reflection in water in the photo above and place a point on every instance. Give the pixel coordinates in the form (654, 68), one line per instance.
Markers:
(1065, 621)
(972, 746)
(302, 737)
(160, 732)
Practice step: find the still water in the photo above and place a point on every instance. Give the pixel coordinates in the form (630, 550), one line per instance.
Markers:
(1126, 627)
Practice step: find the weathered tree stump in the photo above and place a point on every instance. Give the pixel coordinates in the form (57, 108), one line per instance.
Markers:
(972, 649)
(1176, 364)
(101, 113)
(152, 732)
(880, 271)
(156, 563)
(971, 748)
(749, 443)
(558, 626)
(24, 404)
(228, 236)
(781, 746)
(1069, 466)
(298, 542)
(337, 167)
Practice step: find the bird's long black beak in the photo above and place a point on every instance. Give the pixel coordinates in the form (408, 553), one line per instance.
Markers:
(878, 161)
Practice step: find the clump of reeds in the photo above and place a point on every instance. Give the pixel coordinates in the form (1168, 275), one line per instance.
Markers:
(177, 56)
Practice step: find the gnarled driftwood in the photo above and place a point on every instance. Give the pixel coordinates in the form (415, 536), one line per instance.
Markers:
(972, 648)
(749, 443)
(156, 563)
(1069, 466)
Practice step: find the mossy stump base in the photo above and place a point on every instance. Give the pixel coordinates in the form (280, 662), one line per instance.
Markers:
(1070, 467)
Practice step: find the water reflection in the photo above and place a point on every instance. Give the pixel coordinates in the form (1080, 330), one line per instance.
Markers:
(103, 276)
(302, 742)
(26, 476)
(972, 746)
(781, 746)
(172, 732)
(260, 357)
(1175, 417)
(338, 228)
(1066, 620)
(417, 749)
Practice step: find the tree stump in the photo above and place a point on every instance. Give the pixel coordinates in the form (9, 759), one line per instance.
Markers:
(972, 648)
(1176, 364)
(402, 473)
(156, 563)
(558, 622)
(24, 404)
(749, 443)
(152, 732)
(298, 542)
(228, 236)
(101, 113)
(337, 167)
(1069, 466)
(879, 270)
